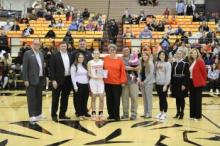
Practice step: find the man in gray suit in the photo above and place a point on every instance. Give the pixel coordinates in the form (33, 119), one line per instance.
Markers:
(33, 72)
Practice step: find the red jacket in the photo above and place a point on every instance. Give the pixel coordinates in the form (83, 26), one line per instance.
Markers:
(199, 74)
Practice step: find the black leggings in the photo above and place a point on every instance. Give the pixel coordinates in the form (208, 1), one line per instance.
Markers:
(162, 98)
(81, 99)
(180, 104)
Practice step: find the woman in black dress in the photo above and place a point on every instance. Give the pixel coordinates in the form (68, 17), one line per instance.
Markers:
(179, 81)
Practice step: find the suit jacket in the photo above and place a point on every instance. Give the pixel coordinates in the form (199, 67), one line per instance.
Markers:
(199, 74)
(31, 68)
(57, 70)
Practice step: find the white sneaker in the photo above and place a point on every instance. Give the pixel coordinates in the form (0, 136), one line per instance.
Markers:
(217, 91)
(163, 116)
(41, 117)
(211, 90)
(159, 115)
(101, 117)
(33, 119)
(93, 117)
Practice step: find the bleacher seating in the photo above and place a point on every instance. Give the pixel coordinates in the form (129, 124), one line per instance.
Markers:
(40, 27)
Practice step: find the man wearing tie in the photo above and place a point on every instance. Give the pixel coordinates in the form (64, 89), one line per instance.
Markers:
(61, 81)
(33, 72)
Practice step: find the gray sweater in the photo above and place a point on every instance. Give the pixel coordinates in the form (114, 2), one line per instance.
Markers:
(163, 73)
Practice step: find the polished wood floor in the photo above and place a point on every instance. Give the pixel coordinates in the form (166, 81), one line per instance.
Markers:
(15, 130)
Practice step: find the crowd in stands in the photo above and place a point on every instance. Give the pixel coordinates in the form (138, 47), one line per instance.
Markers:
(80, 21)
(205, 39)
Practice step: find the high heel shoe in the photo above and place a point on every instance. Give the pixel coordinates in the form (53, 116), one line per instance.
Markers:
(181, 116)
(176, 116)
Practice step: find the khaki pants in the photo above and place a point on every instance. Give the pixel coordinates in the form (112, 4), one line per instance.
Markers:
(130, 91)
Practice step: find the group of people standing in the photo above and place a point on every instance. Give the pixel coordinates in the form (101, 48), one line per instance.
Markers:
(88, 75)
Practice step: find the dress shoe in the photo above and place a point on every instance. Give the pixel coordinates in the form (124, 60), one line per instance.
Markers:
(64, 117)
(176, 116)
(87, 115)
(181, 116)
(133, 118)
(55, 119)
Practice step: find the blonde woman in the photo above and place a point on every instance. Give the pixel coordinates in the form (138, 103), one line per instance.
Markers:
(96, 74)
(198, 77)
(147, 81)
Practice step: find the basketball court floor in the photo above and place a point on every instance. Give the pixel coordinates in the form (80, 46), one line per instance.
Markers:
(15, 130)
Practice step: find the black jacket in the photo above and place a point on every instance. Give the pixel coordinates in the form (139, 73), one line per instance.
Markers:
(57, 70)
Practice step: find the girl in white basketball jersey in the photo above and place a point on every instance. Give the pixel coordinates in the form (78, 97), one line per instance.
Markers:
(96, 73)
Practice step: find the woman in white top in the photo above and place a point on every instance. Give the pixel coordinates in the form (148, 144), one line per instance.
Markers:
(95, 69)
(80, 80)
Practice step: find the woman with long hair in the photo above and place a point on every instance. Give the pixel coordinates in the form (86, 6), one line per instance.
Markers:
(80, 80)
(198, 76)
(163, 76)
(147, 82)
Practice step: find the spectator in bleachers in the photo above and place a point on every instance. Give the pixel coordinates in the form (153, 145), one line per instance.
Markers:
(189, 9)
(128, 33)
(216, 50)
(204, 26)
(142, 17)
(99, 26)
(73, 26)
(184, 38)
(146, 33)
(60, 23)
(179, 30)
(218, 27)
(166, 12)
(113, 31)
(211, 36)
(213, 77)
(48, 16)
(81, 27)
(134, 19)
(184, 48)
(196, 17)
(15, 26)
(24, 20)
(33, 16)
(7, 26)
(4, 42)
(170, 30)
(172, 21)
(28, 31)
(60, 5)
(11, 79)
(25, 47)
(68, 38)
(52, 23)
(180, 7)
(85, 14)
(202, 17)
(165, 43)
(208, 60)
(152, 25)
(6, 61)
(160, 26)
(90, 26)
(50, 34)
(203, 39)
(70, 16)
(153, 2)
(126, 18)
(82, 49)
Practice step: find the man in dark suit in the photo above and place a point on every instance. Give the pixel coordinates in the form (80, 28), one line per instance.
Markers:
(60, 76)
(33, 72)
